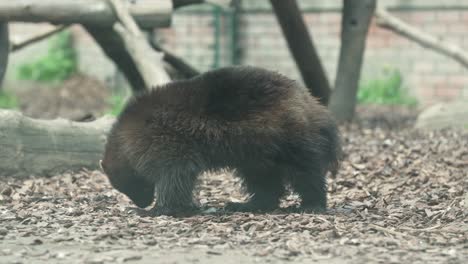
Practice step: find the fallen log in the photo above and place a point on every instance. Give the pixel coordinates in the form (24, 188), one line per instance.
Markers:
(46, 147)
(147, 13)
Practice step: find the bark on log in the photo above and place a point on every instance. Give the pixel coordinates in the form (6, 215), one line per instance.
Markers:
(354, 27)
(302, 48)
(43, 147)
(4, 50)
(113, 46)
(387, 21)
(147, 13)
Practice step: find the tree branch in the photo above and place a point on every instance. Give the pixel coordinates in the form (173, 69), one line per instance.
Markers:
(34, 39)
(148, 61)
(181, 66)
(387, 21)
(113, 46)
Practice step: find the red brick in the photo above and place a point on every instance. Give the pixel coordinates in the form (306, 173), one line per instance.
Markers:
(405, 16)
(458, 28)
(423, 66)
(422, 17)
(311, 18)
(376, 43)
(464, 15)
(438, 29)
(434, 79)
(333, 30)
(334, 18)
(447, 16)
(447, 92)
(461, 80)
(425, 92)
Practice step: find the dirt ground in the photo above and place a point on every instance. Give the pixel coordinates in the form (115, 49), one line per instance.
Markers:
(400, 197)
(80, 98)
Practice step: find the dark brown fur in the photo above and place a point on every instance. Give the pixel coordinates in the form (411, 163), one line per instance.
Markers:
(260, 123)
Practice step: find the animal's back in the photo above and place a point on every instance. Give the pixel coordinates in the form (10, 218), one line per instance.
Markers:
(233, 100)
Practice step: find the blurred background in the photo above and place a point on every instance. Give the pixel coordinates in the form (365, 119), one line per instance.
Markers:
(396, 71)
(400, 194)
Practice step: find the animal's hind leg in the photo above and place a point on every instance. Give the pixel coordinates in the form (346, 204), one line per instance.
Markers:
(265, 187)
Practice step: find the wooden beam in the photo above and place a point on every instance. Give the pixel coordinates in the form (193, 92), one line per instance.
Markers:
(147, 13)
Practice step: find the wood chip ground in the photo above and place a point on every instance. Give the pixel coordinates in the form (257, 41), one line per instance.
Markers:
(400, 197)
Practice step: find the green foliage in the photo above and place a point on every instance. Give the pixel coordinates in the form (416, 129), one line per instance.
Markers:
(387, 89)
(57, 65)
(117, 103)
(7, 100)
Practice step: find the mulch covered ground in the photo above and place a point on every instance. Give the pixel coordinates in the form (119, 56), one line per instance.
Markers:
(400, 197)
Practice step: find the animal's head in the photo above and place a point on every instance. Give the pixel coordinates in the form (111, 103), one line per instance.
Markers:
(127, 181)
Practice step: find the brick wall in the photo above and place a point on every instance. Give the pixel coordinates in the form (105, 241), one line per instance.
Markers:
(427, 75)
(204, 37)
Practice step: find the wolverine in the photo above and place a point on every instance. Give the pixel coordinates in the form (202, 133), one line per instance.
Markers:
(263, 125)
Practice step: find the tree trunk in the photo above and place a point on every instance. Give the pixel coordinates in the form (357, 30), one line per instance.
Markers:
(354, 27)
(302, 48)
(113, 46)
(43, 147)
(147, 13)
(4, 50)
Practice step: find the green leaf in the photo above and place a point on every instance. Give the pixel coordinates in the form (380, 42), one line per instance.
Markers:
(387, 89)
